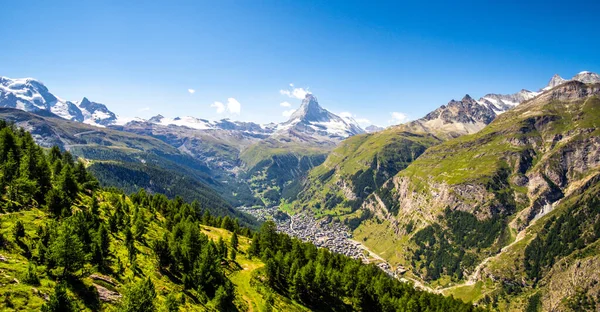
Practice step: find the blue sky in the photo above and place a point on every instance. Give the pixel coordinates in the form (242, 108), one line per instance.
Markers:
(367, 58)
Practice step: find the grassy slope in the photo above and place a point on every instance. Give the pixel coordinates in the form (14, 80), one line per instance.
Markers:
(460, 166)
(361, 162)
(250, 293)
(477, 159)
(276, 166)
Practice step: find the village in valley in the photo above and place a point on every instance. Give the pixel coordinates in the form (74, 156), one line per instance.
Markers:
(332, 235)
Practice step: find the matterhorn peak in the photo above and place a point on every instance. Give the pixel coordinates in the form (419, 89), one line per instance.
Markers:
(310, 110)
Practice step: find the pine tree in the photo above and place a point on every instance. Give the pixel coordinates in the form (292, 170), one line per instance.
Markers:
(67, 250)
(31, 276)
(59, 300)
(140, 297)
(18, 230)
(234, 241)
(55, 202)
(67, 182)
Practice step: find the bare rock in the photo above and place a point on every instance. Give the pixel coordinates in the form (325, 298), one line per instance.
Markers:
(107, 295)
(103, 278)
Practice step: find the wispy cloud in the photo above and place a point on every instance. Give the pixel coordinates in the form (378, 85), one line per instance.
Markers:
(191, 91)
(285, 104)
(298, 93)
(232, 106)
(398, 118)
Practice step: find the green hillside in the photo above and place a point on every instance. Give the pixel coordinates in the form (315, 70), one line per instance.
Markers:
(68, 245)
(358, 167)
(274, 169)
(460, 212)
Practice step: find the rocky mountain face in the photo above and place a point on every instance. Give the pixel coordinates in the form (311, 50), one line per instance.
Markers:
(367, 161)
(312, 123)
(429, 199)
(584, 76)
(455, 119)
(31, 95)
(457, 204)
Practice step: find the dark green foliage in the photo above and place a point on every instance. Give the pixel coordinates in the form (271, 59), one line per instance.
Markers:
(59, 300)
(534, 303)
(234, 241)
(26, 177)
(79, 236)
(56, 202)
(172, 303)
(66, 249)
(31, 277)
(140, 297)
(18, 230)
(572, 230)
(224, 297)
(280, 172)
(131, 178)
(454, 249)
(326, 281)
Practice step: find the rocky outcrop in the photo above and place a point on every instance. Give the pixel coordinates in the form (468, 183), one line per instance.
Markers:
(107, 295)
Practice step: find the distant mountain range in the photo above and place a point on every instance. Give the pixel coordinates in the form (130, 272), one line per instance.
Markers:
(275, 155)
(310, 122)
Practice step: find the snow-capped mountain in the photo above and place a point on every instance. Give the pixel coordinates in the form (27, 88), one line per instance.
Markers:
(500, 103)
(556, 80)
(455, 118)
(314, 120)
(31, 95)
(203, 124)
(584, 76)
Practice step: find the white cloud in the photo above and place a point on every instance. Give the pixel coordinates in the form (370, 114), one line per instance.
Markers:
(285, 104)
(398, 118)
(191, 91)
(143, 109)
(220, 107)
(298, 93)
(288, 113)
(232, 106)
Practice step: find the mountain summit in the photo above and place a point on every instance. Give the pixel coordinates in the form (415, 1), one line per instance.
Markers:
(584, 76)
(311, 119)
(32, 95)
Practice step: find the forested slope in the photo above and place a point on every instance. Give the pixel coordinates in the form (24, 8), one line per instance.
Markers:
(68, 245)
